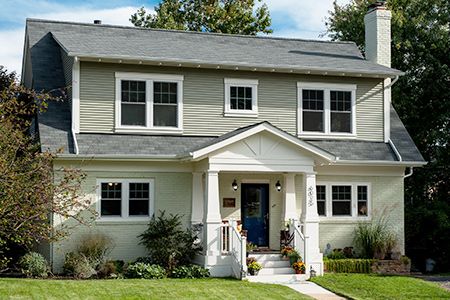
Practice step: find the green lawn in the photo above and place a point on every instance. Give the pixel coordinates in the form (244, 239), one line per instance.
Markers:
(364, 286)
(143, 289)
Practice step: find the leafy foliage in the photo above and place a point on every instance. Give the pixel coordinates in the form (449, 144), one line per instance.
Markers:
(190, 271)
(33, 264)
(167, 243)
(224, 16)
(29, 193)
(145, 271)
(348, 265)
(374, 239)
(420, 43)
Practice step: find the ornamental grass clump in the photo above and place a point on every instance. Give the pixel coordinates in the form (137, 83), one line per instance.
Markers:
(375, 239)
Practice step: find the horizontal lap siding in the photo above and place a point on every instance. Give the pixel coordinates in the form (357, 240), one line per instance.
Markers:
(203, 99)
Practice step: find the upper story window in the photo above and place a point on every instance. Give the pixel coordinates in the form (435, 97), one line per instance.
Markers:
(125, 198)
(149, 102)
(343, 200)
(241, 98)
(326, 109)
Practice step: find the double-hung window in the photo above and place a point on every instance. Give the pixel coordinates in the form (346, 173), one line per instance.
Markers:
(326, 109)
(241, 97)
(343, 200)
(125, 198)
(149, 102)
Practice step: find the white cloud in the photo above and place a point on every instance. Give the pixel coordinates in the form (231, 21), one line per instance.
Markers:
(308, 16)
(114, 16)
(11, 55)
(11, 49)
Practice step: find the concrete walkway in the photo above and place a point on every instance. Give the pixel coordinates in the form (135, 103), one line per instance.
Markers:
(313, 290)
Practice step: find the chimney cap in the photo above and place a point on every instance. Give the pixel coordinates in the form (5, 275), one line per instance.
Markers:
(97, 22)
(379, 4)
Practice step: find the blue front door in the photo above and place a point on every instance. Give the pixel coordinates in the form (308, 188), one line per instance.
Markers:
(255, 213)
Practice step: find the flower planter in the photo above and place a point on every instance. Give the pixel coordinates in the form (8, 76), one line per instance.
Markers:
(293, 260)
(299, 272)
(253, 272)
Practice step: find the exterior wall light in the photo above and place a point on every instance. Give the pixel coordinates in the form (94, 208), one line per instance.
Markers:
(234, 185)
(278, 186)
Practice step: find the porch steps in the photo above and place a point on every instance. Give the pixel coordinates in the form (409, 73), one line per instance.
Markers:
(275, 270)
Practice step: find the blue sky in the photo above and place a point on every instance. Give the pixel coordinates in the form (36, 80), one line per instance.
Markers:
(290, 18)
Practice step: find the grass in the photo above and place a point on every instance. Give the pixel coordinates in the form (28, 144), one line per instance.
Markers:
(143, 289)
(365, 286)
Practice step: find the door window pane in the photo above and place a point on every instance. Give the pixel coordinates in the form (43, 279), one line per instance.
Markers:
(139, 199)
(313, 110)
(341, 200)
(111, 199)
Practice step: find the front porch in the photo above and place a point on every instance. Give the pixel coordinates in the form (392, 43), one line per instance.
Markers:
(263, 180)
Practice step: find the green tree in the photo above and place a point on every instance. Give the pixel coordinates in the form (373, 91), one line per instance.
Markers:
(224, 16)
(420, 47)
(29, 193)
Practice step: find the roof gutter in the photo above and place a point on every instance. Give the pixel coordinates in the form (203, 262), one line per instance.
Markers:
(381, 163)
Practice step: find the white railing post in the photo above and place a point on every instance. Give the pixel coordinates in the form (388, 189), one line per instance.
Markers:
(243, 257)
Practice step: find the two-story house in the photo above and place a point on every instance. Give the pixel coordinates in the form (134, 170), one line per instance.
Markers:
(223, 129)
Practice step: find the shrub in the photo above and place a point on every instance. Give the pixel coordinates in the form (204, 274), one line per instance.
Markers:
(348, 265)
(190, 271)
(146, 271)
(167, 243)
(405, 260)
(336, 254)
(375, 239)
(78, 265)
(33, 264)
(111, 269)
(95, 248)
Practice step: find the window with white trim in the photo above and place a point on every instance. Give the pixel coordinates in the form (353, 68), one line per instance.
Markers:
(241, 97)
(326, 109)
(343, 200)
(149, 102)
(125, 198)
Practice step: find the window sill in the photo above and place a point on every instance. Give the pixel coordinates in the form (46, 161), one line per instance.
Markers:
(153, 130)
(343, 220)
(241, 114)
(327, 136)
(123, 221)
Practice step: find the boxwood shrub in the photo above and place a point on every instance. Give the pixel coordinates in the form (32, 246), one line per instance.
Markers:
(145, 271)
(189, 271)
(348, 265)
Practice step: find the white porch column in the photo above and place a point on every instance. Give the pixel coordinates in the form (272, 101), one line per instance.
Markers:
(290, 201)
(197, 198)
(310, 220)
(212, 219)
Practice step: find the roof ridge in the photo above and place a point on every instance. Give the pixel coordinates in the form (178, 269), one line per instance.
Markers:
(188, 32)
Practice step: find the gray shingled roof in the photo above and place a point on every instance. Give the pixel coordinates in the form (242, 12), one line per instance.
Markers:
(106, 41)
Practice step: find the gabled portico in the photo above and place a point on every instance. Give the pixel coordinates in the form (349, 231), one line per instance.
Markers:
(261, 154)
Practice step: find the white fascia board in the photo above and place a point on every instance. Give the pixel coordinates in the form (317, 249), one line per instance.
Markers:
(379, 163)
(117, 157)
(199, 154)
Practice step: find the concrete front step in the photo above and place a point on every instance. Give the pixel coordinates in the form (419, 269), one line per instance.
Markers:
(275, 264)
(279, 278)
(266, 257)
(274, 271)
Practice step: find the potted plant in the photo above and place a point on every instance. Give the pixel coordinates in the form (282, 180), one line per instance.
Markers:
(253, 268)
(299, 267)
(285, 252)
(294, 257)
(250, 247)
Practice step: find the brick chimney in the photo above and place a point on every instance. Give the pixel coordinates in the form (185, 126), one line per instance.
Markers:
(378, 34)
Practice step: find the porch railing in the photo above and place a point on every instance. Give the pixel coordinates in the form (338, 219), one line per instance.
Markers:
(299, 242)
(235, 245)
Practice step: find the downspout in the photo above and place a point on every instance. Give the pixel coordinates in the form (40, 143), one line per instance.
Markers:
(411, 171)
(75, 143)
(392, 82)
(75, 102)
